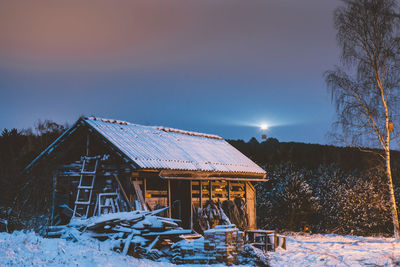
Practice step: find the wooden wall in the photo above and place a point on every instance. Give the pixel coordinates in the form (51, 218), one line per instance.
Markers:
(251, 205)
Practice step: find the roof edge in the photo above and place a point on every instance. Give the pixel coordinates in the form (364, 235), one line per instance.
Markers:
(53, 145)
(193, 174)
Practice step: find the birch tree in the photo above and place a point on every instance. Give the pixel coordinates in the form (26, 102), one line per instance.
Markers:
(365, 87)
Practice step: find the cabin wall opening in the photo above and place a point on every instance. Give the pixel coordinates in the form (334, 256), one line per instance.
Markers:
(187, 198)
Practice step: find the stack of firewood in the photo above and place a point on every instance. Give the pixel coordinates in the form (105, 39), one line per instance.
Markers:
(227, 242)
(222, 244)
(193, 252)
(137, 233)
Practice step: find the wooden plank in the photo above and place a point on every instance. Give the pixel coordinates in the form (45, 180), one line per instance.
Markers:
(220, 175)
(201, 194)
(213, 179)
(123, 192)
(245, 192)
(229, 190)
(87, 145)
(154, 212)
(139, 194)
(128, 243)
(169, 199)
(53, 198)
(152, 244)
(170, 232)
(210, 190)
(250, 196)
(160, 193)
(144, 188)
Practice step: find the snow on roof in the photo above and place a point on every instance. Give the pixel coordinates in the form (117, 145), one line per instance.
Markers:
(156, 147)
(162, 128)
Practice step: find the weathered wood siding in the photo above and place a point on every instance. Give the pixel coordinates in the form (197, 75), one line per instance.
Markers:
(251, 205)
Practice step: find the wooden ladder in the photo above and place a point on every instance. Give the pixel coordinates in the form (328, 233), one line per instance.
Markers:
(85, 191)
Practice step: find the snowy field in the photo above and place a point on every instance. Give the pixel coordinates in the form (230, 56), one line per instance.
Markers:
(29, 249)
(336, 250)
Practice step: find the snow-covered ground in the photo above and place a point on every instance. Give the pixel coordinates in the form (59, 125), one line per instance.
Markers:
(29, 249)
(336, 250)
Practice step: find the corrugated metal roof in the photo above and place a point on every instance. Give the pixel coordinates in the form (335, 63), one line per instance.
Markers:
(152, 147)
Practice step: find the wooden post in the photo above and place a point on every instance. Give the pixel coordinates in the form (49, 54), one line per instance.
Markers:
(210, 189)
(145, 189)
(201, 194)
(229, 190)
(123, 192)
(169, 199)
(191, 205)
(139, 194)
(54, 198)
(87, 144)
(245, 193)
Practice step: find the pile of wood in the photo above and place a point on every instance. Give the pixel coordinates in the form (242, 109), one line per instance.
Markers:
(236, 212)
(214, 213)
(145, 234)
(209, 216)
(192, 251)
(137, 233)
(222, 244)
(227, 240)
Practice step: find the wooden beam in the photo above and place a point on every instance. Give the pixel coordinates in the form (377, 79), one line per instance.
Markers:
(245, 192)
(195, 174)
(169, 199)
(139, 194)
(145, 189)
(229, 190)
(201, 194)
(53, 198)
(87, 144)
(210, 189)
(213, 179)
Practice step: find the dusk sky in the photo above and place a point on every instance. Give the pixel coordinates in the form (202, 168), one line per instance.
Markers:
(216, 66)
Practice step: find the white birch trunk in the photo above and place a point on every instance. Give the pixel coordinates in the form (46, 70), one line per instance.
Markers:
(391, 191)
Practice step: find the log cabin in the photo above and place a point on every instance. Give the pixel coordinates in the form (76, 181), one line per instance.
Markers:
(133, 166)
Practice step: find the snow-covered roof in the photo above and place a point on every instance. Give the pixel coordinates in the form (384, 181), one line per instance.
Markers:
(155, 147)
(161, 148)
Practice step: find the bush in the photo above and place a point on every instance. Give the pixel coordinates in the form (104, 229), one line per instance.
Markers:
(327, 199)
(288, 203)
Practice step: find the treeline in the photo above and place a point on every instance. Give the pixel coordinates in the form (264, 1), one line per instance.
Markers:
(17, 149)
(311, 156)
(331, 189)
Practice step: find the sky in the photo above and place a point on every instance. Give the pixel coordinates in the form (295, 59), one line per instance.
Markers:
(216, 66)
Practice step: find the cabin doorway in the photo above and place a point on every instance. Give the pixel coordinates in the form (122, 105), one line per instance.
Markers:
(181, 202)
